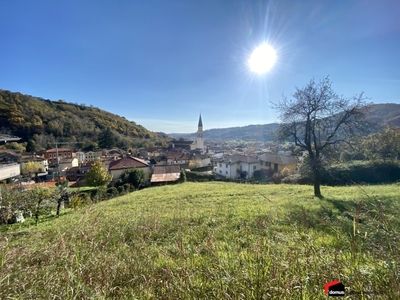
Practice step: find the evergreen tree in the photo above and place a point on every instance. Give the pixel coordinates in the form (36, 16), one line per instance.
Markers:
(107, 139)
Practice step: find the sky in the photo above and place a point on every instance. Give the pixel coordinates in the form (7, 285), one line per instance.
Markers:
(162, 63)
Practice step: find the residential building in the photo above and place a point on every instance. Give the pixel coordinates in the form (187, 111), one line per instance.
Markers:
(9, 170)
(187, 145)
(51, 154)
(93, 155)
(237, 166)
(27, 157)
(119, 166)
(277, 162)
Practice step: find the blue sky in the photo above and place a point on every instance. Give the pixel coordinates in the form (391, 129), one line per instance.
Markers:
(159, 63)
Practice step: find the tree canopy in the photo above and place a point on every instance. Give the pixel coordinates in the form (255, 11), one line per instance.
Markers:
(317, 119)
(97, 175)
(135, 177)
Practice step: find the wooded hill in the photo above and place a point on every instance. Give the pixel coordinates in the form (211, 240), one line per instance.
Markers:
(245, 133)
(40, 122)
(382, 115)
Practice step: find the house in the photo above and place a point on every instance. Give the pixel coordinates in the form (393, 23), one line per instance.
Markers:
(9, 156)
(177, 158)
(119, 166)
(237, 166)
(27, 157)
(165, 174)
(77, 173)
(81, 156)
(51, 154)
(9, 170)
(93, 155)
(67, 163)
(201, 160)
(187, 145)
(146, 153)
(277, 162)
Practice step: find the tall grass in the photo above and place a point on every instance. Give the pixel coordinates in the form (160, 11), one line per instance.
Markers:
(211, 241)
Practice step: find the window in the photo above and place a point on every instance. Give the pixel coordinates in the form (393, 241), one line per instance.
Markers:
(254, 168)
(220, 171)
(261, 162)
(226, 172)
(220, 165)
(226, 165)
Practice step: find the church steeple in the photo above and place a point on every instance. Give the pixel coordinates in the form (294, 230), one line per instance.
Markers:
(200, 137)
(200, 122)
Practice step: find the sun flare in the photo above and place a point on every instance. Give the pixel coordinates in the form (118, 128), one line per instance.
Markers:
(262, 59)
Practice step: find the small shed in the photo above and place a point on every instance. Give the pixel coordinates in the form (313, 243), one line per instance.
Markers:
(165, 174)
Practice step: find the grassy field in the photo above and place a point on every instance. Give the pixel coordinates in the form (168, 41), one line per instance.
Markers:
(211, 241)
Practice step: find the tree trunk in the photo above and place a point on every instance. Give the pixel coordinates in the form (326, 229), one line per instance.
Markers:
(317, 183)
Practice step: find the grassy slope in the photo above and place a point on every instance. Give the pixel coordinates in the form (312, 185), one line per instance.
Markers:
(211, 241)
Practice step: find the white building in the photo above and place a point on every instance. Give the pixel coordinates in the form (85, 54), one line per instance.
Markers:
(237, 166)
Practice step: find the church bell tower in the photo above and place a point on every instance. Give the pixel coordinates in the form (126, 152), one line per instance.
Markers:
(200, 136)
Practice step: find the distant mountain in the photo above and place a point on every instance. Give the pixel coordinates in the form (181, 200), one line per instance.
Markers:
(245, 133)
(387, 114)
(382, 114)
(40, 122)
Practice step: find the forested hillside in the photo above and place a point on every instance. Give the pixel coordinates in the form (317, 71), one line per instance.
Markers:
(40, 122)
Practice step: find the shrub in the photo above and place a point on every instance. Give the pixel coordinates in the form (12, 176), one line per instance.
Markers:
(182, 177)
(128, 187)
(199, 177)
(112, 192)
(79, 200)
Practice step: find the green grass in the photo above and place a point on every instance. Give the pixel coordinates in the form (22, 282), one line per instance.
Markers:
(211, 241)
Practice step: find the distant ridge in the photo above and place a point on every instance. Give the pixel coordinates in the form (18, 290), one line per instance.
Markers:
(387, 114)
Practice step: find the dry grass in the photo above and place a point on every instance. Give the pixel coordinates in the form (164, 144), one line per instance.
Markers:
(211, 241)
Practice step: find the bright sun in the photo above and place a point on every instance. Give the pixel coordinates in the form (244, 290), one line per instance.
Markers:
(262, 59)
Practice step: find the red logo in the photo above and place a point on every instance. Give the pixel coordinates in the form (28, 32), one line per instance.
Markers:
(334, 288)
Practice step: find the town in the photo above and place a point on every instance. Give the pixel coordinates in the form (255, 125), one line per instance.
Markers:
(162, 163)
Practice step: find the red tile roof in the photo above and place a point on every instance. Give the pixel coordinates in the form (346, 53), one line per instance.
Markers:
(127, 163)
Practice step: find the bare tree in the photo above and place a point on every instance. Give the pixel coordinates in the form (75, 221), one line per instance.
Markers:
(317, 119)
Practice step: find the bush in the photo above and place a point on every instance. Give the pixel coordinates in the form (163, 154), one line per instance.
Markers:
(99, 194)
(199, 177)
(79, 200)
(182, 177)
(112, 192)
(128, 187)
(355, 172)
(362, 172)
(121, 190)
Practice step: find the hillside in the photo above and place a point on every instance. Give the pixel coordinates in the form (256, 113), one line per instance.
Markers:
(380, 114)
(245, 133)
(211, 241)
(42, 121)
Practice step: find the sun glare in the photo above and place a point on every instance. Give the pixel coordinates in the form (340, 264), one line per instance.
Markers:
(262, 59)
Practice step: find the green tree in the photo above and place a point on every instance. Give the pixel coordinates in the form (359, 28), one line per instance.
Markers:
(31, 146)
(384, 145)
(317, 119)
(97, 175)
(107, 139)
(135, 177)
(32, 167)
